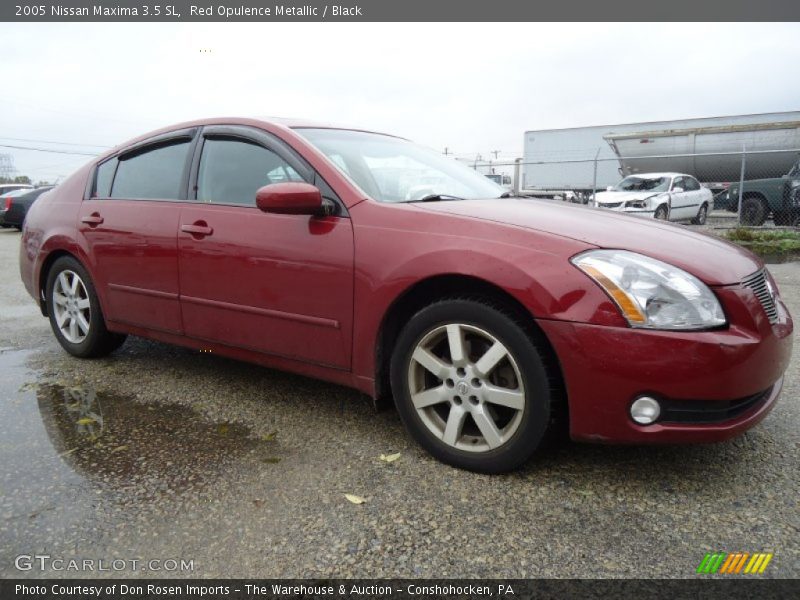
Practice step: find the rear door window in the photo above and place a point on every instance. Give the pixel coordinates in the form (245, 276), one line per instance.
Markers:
(153, 173)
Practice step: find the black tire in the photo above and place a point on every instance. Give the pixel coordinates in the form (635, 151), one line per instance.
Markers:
(521, 342)
(662, 213)
(702, 215)
(98, 341)
(754, 211)
(18, 227)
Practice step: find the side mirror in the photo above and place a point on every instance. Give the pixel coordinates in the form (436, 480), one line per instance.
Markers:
(290, 198)
(677, 190)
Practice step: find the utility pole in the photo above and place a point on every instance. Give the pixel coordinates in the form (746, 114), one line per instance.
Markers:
(7, 169)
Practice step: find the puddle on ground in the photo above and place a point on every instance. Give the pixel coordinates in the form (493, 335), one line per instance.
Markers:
(122, 442)
(66, 450)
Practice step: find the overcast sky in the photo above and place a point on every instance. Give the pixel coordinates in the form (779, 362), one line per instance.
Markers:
(471, 87)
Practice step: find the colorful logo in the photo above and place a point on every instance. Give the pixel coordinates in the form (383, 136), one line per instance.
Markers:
(734, 563)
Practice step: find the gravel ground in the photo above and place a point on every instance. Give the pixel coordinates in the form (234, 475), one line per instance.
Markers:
(243, 470)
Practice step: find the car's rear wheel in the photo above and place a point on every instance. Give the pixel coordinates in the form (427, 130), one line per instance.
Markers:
(754, 211)
(75, 314)
(471, 385)
(662, 213)
(702, 215)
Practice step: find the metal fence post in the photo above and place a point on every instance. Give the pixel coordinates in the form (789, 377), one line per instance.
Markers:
(517, 175)
(741, 186)
(594, 179)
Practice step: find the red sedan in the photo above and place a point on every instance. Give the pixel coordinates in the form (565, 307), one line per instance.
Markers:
(363, 259)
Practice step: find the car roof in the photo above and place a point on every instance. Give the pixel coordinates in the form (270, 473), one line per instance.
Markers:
(38, 191)
(654, 175)
(15, 193)
(279, 122)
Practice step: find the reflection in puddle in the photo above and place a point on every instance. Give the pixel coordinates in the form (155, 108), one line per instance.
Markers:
(161, 448)
(76, 461)
(83, 408)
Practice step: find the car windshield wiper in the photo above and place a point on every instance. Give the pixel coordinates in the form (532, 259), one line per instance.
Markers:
(436, 198)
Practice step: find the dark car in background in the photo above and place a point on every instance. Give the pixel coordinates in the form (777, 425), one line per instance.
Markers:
(779, 196)
(6, 197)
(14, 205)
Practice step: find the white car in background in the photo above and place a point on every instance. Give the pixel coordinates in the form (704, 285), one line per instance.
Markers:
(665, 196)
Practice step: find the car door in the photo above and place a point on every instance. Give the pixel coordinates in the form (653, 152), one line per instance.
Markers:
(278, 284)
(697, 195)
(679, 199)
(129, 221)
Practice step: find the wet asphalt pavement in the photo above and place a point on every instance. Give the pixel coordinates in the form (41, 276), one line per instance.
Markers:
(158, 453)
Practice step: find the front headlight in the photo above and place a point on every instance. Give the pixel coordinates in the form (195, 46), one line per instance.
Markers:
(652, 294)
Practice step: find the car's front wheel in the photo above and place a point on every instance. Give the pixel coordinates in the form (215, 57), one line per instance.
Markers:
(662, 213)
(75, 315)
(471, 385)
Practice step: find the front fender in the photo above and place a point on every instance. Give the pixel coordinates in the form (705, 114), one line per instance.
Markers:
(533, 267)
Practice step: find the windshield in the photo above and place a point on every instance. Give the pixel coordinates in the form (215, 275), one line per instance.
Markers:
(643, 184)
(390, 169)
(498, 179)
(795, 170)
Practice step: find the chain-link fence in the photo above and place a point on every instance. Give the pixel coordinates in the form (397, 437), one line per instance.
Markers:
(760, 185)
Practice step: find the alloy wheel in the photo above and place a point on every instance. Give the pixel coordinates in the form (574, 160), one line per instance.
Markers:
(71, 306)
(466, 387)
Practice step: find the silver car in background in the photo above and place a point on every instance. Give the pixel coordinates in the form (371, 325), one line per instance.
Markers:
(665, 196)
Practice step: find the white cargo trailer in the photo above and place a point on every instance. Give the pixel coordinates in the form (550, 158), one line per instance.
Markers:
(579, 159)
(711, 153)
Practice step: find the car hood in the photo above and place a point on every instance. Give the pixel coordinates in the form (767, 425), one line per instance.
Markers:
(609, 197)
(713, 260)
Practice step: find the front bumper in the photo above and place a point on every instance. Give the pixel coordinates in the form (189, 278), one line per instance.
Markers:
(629, 210)
(607, 368)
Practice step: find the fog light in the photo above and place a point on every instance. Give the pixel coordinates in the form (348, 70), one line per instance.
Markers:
(645, 410)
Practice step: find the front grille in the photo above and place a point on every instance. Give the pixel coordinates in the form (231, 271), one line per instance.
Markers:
(709, 411)
(763, 290)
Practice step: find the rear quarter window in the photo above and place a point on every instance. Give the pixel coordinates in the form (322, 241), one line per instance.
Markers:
(103, 178)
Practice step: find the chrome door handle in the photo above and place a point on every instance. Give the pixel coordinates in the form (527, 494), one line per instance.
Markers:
(200, 228)
(92, 220)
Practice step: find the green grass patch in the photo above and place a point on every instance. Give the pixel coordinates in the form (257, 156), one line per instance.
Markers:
(766, 241)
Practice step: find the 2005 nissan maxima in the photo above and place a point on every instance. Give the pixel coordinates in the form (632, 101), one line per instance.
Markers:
(365, 260)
